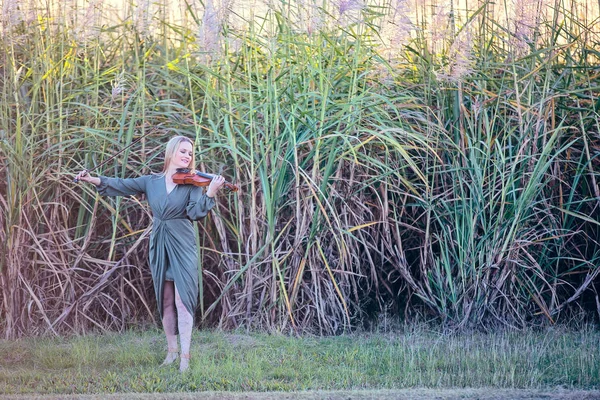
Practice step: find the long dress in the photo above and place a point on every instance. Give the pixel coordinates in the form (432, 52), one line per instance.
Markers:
(172, 241)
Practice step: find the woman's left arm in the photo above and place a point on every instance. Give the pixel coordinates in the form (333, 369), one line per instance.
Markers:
(200, 203)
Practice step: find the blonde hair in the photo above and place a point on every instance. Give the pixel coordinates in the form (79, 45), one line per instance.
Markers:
(171, 148)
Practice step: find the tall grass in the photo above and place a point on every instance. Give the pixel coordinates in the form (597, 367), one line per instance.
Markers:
(439, 163)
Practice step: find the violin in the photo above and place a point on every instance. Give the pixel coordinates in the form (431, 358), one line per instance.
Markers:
(186, 176)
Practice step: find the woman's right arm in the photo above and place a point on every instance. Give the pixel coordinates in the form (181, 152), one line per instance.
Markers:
(115, 186)
(85, 176)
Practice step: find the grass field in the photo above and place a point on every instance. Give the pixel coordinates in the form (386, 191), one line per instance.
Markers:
(389, 394)
(554, 360)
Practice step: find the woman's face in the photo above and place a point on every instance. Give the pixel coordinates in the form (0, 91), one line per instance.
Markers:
(183, 155)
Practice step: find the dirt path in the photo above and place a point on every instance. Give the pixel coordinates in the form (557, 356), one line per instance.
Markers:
(403, 394)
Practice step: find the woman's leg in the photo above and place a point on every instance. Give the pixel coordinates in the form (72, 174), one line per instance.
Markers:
(185, 323)
(169, 321)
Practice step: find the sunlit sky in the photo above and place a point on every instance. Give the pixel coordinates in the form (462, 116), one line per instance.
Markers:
(419, 12)
(585, 9)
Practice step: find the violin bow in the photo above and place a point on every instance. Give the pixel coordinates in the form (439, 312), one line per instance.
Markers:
(115, 155)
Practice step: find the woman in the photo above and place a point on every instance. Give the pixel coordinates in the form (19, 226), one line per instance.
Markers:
(173, 252)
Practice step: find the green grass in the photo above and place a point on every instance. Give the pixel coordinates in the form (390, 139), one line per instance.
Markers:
(118, 363)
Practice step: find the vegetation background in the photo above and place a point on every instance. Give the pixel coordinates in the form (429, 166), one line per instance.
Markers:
(411, 159)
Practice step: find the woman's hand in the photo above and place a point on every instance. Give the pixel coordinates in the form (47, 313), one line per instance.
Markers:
(214, 186)
(85, 176)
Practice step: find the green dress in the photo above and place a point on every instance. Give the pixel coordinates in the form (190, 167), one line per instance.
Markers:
(172, 241)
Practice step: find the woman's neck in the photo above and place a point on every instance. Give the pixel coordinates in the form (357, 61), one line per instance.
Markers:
(169, 174)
